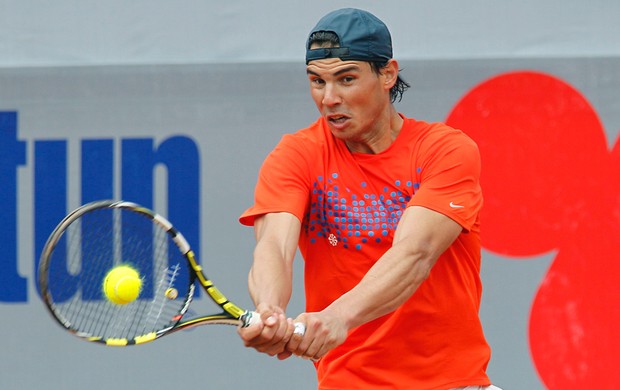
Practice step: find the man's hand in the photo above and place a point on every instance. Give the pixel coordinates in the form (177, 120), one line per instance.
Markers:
(324, 331)
(271, 335)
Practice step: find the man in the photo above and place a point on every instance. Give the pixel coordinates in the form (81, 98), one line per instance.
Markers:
(385, 212)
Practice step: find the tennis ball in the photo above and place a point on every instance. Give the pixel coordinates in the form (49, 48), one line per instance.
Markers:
(122, 285)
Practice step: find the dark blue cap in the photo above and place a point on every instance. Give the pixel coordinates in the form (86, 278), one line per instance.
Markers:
(362, 36)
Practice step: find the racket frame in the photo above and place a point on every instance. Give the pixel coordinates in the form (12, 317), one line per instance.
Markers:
(231, 313)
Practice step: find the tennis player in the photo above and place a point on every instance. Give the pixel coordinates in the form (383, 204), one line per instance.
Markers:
(385, 212)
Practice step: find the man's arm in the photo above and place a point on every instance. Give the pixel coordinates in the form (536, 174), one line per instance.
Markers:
(421, 237)
(270, 281)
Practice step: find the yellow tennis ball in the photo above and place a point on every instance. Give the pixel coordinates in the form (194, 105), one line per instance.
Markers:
(122, 285)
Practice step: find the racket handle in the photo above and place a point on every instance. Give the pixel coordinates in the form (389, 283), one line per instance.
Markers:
(251, 317)
(300, 329)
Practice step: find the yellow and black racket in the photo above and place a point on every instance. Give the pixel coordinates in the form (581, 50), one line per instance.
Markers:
(116, 273)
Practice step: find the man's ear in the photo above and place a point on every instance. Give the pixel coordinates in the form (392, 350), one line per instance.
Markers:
(390, 73)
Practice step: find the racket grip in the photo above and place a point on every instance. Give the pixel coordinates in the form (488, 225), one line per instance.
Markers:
(300, 329)
(249, 318)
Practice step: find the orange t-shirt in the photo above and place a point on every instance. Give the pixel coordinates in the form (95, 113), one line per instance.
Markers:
(350, 205)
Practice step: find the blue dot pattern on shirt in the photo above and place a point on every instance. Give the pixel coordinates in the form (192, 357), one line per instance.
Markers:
(355, 219)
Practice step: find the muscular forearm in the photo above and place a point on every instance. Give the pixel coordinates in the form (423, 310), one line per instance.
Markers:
(270, 279)
(270, 282)
(420, 239)
(393, 279)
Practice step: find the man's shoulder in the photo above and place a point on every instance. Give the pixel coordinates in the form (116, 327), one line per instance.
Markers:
(424, 127)
(436, 132)
(313, 135)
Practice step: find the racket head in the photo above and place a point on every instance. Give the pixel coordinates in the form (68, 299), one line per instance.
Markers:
(92, 240)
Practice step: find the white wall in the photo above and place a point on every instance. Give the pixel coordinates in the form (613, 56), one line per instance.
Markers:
(88, 32)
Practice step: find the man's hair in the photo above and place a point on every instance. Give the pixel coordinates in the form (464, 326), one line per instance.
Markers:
(329, 39)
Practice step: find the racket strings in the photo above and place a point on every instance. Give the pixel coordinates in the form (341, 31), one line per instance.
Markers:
(166, 282)
(166, 278)
(90, 247)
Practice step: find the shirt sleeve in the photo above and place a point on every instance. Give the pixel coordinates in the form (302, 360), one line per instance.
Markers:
(449, 178)
(282, 184)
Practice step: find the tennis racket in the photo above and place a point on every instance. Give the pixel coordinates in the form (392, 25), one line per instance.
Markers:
(100, 236)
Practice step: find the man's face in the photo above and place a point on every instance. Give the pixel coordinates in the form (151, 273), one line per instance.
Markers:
(352, 98)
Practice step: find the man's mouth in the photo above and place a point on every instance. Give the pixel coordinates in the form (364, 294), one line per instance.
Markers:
(337, 119)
